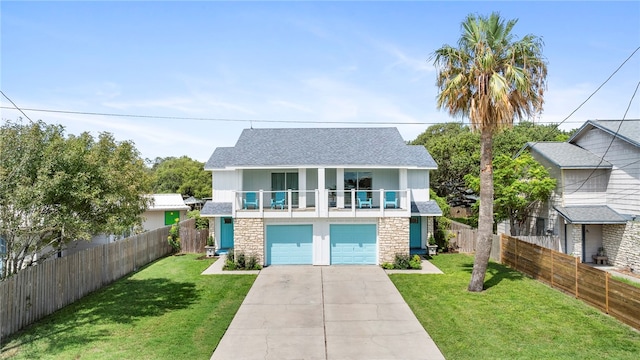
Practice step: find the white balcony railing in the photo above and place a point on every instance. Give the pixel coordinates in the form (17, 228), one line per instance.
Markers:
(322, 203)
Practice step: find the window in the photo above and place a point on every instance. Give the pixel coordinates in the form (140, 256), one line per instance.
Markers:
(358, 180)
(283, 182)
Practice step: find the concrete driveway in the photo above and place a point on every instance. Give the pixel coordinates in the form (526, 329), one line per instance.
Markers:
(330, 312)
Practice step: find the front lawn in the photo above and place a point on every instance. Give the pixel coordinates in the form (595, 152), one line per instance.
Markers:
(167, 310)
(515, 318)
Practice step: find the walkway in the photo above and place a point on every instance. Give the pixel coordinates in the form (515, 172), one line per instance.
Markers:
(325, 313)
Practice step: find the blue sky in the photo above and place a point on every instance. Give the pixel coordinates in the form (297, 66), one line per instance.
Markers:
(305, 63)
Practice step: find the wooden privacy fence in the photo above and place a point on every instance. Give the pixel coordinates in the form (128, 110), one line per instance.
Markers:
(550, 242)
(40, 290)
(564, 272)
(464, 239)
(192, 240)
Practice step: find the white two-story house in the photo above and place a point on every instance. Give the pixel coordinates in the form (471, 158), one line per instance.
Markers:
(597, 200)
(321, 196)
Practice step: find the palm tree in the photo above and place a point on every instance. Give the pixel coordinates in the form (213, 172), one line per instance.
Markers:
(492, 79)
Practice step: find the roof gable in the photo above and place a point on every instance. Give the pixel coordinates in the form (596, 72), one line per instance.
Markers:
(321, 147)
(626, 130)
(167, 202)
(567, 156)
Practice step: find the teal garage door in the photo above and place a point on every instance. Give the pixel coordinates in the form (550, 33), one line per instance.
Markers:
(289, 244)
(353, 244)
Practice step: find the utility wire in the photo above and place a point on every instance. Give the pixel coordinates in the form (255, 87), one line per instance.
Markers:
(600, 87)
(613, 138)
(250, 120)
(14, 105)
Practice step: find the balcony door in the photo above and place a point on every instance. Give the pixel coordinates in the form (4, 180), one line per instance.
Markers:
(284, 182)
(358, 180)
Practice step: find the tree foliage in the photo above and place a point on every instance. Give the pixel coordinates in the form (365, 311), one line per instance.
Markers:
(491, 78)
(181, 175)
(520, 185)
(55, 189)
(456, 150)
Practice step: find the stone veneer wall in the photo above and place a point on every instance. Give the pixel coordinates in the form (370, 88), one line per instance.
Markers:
(393, 237)
(622, 244)
(576, 236)
(248, 237)
(212, 230)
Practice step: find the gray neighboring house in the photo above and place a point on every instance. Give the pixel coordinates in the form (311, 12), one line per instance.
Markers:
(321, 196)
(597, 200)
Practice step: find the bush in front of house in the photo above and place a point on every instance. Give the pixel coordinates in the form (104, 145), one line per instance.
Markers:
(404, 262)
(241, 261)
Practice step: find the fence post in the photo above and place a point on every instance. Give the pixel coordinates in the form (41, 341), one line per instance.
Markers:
(607, 275)
(577, 294)
(552, 269)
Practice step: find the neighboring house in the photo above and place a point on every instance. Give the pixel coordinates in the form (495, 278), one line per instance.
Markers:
(597, 200)
(165, 209)
(321, 196)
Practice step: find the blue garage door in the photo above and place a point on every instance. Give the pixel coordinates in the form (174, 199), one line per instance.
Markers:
(289, 244)
(353, 244)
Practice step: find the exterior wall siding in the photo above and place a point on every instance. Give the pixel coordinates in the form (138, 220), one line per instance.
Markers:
(393, 238)
(625, 176)
(248, 237)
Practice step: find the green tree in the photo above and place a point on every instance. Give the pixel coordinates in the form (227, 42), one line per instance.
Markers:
(181, 175)
(491, 79)
(55, 189)
(455, 149)
(520, 185)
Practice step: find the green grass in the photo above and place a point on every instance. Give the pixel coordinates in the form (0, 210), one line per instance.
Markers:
(167, 310)
(515, 318)
(626, 281)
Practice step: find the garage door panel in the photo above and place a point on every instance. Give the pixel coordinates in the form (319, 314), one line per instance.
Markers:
(289, 244)
(353, 243)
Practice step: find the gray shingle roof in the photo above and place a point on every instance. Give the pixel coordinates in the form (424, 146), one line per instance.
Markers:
(568, 156)
(426, 208)
(213, 209)
(627, 130)
(321, 147)
(592, 214)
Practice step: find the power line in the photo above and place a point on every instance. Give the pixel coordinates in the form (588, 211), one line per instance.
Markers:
(613, 138)
(15, 106)
(601, 85)
(250, 120)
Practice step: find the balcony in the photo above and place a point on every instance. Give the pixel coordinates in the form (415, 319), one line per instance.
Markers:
(321, 203)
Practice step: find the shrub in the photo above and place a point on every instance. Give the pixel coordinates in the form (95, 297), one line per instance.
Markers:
(229, 265)
(241, 262)
(401, 261)
(201, 223)
(415, 262)
(404, 262)
(231, 255)
(174, 237)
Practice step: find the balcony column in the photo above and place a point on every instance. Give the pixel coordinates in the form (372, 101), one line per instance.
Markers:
(322, 202)
(302, 187)
(340, 188)
(403, 181)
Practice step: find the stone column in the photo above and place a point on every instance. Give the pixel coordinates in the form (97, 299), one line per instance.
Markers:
(393, 238)
(248, 238)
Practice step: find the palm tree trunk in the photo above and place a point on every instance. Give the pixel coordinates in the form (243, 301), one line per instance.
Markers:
(485, 218)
